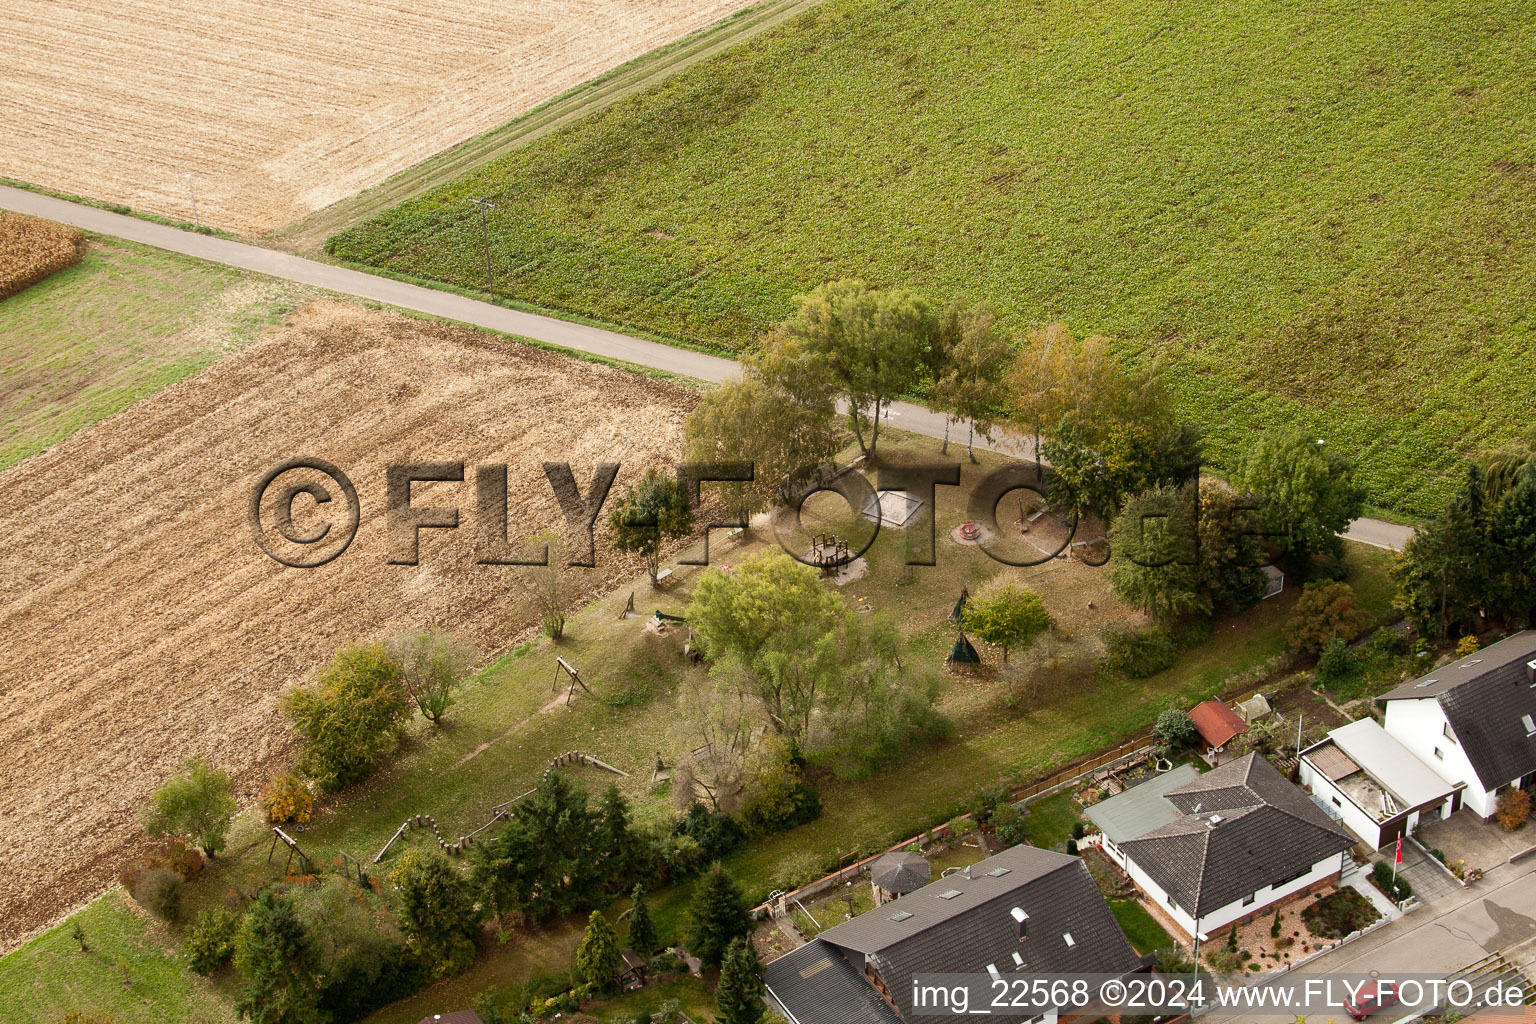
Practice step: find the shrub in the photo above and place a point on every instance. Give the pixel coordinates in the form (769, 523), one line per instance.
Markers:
(195, 803)
(287, 800)
(1138, 653)
(32, 249)
(778, 797)
(351, 716)
(157, 890)
(795, 870)
(1467, 645)
(1071, 847)
(1324, 611)
(1174, 729)
(1337, 663)
(1387, 642)
(1010, 827)
(1514, 809)
(438, 910)
(211, 941)
(1340, 913)
(1381, 876)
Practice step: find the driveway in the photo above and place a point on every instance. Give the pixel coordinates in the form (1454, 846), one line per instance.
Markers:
(547, 329)
(1465, 836)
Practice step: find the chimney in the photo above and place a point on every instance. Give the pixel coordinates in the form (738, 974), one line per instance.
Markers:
(1021, 920)
(1215, 819)
(1530, 672)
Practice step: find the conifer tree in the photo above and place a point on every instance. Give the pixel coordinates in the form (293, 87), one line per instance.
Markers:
(739, 996)
(719, 914)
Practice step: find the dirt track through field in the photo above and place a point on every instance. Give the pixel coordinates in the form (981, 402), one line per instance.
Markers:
(278, 108)
(139, 623)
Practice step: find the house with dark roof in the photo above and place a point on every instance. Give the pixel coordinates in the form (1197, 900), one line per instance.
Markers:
(1023, 911)
(1218, 848)
(1473, 721)
(1376, 786)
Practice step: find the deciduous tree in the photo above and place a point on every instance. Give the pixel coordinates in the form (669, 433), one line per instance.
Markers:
(653, 511)
(1007, 615)
(968, 377)
(1309, 493)
(438, 910)
(350, 716)
(195, 803)
(433, 664)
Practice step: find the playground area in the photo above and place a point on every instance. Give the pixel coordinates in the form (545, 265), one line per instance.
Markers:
(150, 626)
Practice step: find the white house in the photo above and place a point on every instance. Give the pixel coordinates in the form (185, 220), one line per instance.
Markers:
(1473, 721)
(1375, 785)
(1219, 848)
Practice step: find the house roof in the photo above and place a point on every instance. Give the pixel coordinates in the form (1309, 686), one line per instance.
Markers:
(1378, 753)
(1243, 827)
(1141, 808)
(964, 924)
(815, 984)
(1216, 723)
(901, 871)
(1485, 697)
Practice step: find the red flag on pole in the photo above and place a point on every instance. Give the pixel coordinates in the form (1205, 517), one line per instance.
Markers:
(1399, 858)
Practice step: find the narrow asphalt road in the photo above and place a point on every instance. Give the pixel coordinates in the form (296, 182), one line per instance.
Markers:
(546, 329)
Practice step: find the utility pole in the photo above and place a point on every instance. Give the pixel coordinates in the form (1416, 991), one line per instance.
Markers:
(193, 189)
(485, 235)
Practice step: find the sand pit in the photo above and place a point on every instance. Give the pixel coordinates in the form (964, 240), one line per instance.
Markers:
(278, 108)
(139, 622)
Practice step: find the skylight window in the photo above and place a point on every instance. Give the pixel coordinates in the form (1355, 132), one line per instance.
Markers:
(901, 915)
(1018, 961)
(1474, 661)
(999, 872)
(1427, 682)
(996, 974)
(1530, 726)
(1069, 939)
(949, 894)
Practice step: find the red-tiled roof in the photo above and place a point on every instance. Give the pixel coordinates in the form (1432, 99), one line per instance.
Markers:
(1216, 722)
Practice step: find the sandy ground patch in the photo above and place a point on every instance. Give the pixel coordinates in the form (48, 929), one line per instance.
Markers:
(139, 622)
(279, 108)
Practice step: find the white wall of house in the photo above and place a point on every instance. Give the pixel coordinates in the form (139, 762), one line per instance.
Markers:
(1262, 898)
(1420, 726)
(1355, 819)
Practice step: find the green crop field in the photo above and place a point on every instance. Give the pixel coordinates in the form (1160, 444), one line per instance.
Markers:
(1325, 211)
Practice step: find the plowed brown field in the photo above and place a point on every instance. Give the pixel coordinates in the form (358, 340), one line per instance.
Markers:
(139, 622)
(278, 108)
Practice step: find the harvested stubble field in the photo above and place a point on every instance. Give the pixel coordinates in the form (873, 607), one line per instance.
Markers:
(32, 249)
(1324, 213)
(278, 109)
(141, 623)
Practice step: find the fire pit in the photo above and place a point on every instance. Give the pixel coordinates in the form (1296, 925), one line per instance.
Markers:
(970, 531)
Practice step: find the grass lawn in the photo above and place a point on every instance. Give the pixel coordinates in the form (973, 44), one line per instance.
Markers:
(1140, 926)
(126, 970)
(1321, 211)
(1050, 821)
(496, 741)
(125, 322)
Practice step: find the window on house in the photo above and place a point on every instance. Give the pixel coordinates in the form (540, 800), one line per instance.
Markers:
(1335, 801)
(1446, 732)
(1440, 753)
(1248, 900)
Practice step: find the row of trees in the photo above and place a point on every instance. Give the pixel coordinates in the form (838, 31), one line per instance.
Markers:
(1476, 561)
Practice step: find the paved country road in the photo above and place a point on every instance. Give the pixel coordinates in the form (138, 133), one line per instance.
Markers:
(547, 329)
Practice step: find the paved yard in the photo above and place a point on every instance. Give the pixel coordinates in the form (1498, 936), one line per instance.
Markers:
(1464, 836)
(1429, 878)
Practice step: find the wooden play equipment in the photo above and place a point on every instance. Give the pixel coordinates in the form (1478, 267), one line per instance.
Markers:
(561, 663)
(500, 812)
(829, 553)
(306, 866)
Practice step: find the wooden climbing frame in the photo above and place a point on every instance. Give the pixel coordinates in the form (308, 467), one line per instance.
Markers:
(306, 866)
(561, 663)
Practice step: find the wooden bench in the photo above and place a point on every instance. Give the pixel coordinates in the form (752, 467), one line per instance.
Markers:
(663, 576)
